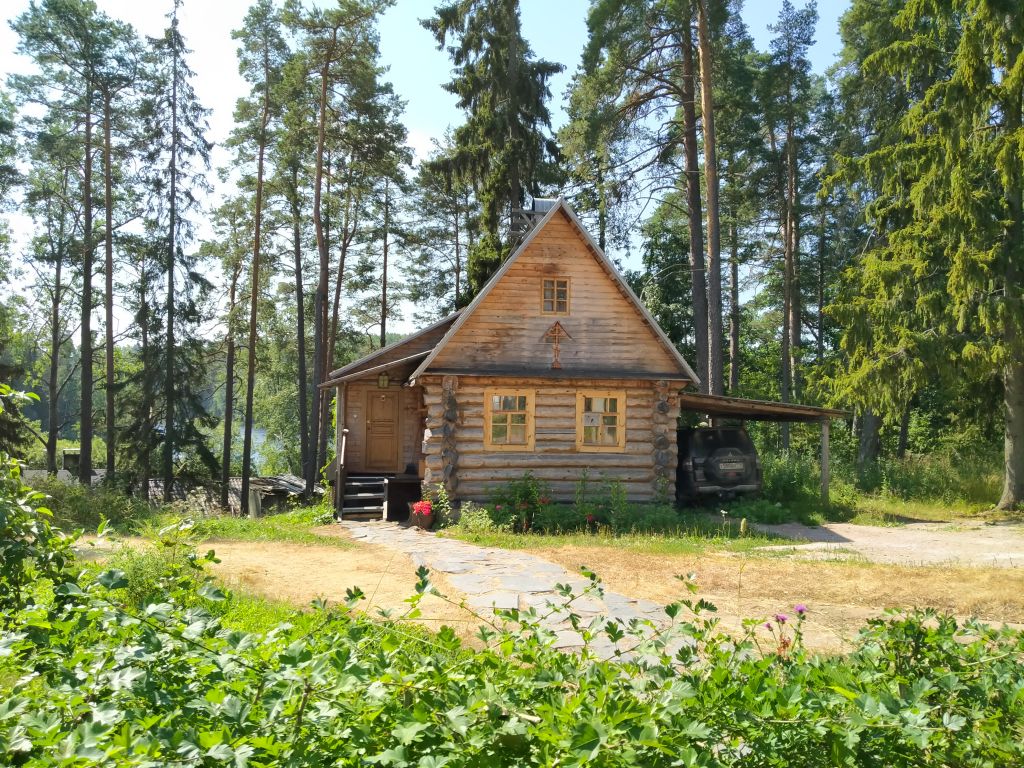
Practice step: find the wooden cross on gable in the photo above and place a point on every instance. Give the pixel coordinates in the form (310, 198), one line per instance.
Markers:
(554, 336)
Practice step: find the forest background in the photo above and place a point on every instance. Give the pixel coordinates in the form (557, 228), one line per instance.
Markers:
(842, 236)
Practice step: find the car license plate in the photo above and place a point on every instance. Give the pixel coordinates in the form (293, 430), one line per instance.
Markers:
(730, 466)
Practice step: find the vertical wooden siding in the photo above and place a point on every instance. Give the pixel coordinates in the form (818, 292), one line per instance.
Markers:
(507, 328)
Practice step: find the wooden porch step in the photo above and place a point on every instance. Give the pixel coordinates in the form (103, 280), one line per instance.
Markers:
(364, 495)
(361, 513)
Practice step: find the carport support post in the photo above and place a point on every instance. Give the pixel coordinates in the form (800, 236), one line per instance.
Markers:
(824, 462)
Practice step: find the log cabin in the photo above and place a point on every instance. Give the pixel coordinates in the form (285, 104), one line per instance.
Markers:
(556, 368)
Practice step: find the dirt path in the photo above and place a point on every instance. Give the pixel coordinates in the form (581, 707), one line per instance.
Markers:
(840, 594)
(967, 543)
(300, 573)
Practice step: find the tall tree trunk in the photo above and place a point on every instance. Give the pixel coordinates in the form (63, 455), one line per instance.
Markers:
(870, 445)
(85, 431)
(329, 346)
(458, 257)
(820, 350)
(1013, 334)
(698, 277)
(229, 396)
(384, 268)
(792, 257)
(349, 225)
(254, 291)
(734, 310)
(784, 379)
(108, 298)
(904, 436)
(715, 357)
(300, 322)
(147, 383)
(320, 296)
(170, 438)
(53, 374)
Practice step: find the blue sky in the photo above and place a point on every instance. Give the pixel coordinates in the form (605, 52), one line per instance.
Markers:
(556, 30)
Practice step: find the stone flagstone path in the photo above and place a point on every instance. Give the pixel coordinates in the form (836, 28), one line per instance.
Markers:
(500, 578)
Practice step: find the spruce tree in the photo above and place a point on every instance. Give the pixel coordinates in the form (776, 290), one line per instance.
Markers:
(504, 142)
(178, 156)
(944, 180)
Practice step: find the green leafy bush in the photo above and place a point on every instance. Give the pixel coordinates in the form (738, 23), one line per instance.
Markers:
(77, 506)
(30, 548)
(559, 518)
(646, 518)
(515, 505)
(474, 519)
(107, 671)
(102, 682)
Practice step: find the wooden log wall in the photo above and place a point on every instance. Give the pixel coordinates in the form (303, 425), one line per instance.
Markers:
(455, 449)
(664, 446)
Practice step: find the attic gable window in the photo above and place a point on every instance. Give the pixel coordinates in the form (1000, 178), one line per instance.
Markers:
(556, 296)
(508, 420)
(601, 422)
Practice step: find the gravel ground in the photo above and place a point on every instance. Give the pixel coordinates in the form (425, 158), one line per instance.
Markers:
(973, 544)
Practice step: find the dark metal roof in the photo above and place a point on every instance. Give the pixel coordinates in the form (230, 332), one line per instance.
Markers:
(755, 410)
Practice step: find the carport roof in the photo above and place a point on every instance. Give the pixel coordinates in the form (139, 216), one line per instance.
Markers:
(755, 410)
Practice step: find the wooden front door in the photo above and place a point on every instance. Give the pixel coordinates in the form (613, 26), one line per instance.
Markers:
(382, 430)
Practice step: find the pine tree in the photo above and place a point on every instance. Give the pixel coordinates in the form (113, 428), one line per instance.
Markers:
(262, 55)
(788, 82)
(443, 225)
(69, 41)
(50, 199)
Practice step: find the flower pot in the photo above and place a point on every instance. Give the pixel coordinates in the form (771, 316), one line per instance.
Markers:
(421, 514)
(421, 521)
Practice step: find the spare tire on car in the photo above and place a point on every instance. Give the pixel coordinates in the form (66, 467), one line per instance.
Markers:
(716, 462)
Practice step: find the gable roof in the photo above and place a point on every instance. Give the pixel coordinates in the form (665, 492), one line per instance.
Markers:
(560, 207)
(415, 345)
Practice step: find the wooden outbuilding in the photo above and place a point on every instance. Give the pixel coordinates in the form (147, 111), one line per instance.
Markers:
(555, 368)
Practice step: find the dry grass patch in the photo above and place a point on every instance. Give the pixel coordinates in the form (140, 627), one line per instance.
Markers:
(300, 573)
(840, 596)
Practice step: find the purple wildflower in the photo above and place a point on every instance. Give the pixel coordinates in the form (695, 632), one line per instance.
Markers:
(781, 618)
(800, 609)
(768, 626)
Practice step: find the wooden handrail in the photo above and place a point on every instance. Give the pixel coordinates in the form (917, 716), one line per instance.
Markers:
(341, 475)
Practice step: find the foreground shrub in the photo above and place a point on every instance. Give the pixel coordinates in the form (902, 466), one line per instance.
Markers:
(30, 548)
(102, 682)
(101, 672)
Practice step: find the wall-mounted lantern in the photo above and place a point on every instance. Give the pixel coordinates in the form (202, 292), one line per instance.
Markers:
(383, 380)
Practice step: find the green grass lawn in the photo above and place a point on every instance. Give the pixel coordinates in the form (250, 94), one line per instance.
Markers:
(294, 526)
(886, 510)
(696, 534)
